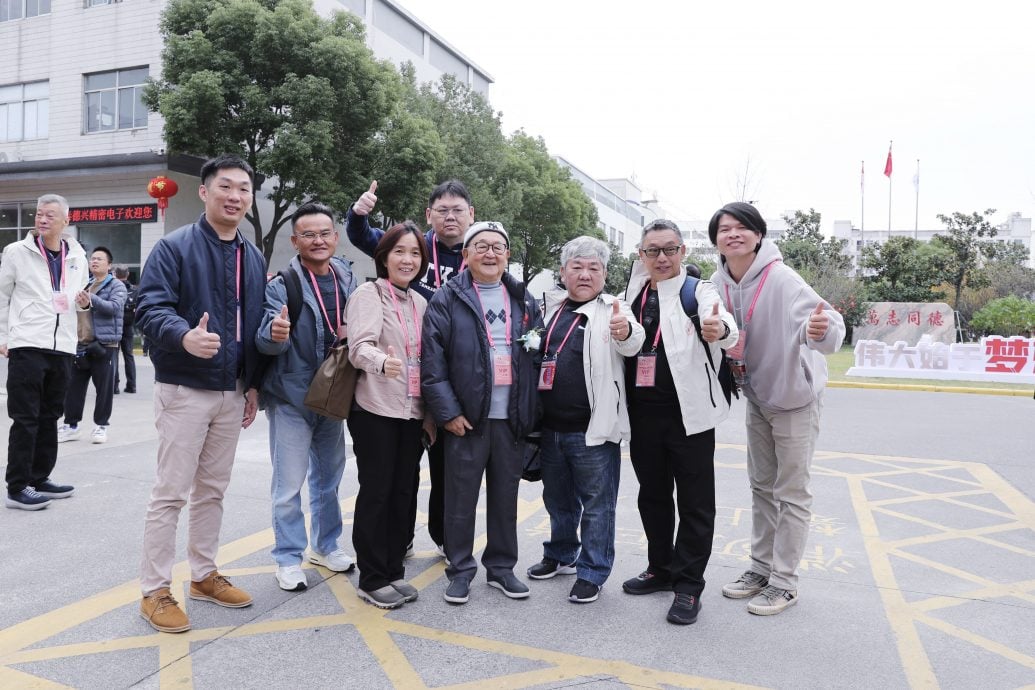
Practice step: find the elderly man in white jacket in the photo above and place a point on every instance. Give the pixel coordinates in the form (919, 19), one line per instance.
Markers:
(675, 403)
(582, 391)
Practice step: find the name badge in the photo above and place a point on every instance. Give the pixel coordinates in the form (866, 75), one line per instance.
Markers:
(502, 375)
(413, 379)
(547, 374)
(645, 366)
(737, 351)
(61, 305)
(342, 332)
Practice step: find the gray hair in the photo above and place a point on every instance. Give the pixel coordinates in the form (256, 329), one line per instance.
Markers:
(661, 224)
(585, 246)
(54, 199)
(122, 271)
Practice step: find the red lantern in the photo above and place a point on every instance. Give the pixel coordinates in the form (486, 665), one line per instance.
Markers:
(163, 189)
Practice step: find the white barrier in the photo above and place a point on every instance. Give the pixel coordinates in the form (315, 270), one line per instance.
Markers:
(995, 358)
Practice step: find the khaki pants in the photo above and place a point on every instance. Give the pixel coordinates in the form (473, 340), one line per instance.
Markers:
(779, 457)
(197, 440)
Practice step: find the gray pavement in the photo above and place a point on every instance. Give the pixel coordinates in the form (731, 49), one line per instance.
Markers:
(918, 573)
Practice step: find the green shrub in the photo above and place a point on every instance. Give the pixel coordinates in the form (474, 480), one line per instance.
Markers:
(1006, 316)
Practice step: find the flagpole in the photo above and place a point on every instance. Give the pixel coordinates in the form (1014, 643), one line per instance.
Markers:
(862, 204)
(887, 172)
(916, 217)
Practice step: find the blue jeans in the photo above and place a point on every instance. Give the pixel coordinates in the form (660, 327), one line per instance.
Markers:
(580, 488)
(300, 442)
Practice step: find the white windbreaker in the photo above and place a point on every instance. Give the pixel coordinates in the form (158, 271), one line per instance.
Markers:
(603, 362)
(701, 401)
(27, 317)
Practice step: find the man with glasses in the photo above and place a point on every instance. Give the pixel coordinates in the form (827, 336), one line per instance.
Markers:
(478, 379)
(450, 214)
(39, 280)
(302, 441)
(673, 418)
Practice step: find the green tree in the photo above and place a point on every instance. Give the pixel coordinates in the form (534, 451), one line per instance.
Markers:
(618, 270)
(1006, 316)
(705, 264)
(904, 270)
(969, 241)
(806, 250)
(300, 97)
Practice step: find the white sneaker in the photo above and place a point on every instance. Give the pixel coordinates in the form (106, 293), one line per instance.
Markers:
(291, 578)
(338, 560)
(67, 433)
(99, 435)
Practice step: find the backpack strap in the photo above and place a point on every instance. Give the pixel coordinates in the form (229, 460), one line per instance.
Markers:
(293, 286)
(688, 296)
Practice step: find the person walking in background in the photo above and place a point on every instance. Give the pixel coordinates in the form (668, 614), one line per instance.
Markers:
(785, 329)
(126, 344)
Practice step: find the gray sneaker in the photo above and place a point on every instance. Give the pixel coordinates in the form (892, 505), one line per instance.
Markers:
(747, 585)
(772, 601)
(509, 585)
(408, 591)
(385, 598)
(459, 590)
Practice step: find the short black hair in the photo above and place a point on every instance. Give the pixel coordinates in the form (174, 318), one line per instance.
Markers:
(106, 251)
(693, 270)
(221, 162)
(449, 188)
(747, 214)
(311, 208)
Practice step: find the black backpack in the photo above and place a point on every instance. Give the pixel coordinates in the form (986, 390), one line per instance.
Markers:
(130, 307)
(293, 286)
(688, 296)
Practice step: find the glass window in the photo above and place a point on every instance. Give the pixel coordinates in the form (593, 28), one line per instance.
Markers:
(115, 100)
(357, 7)
(16, 219)
(16, 9)
(399, 27)
(123, 240)
(444, 59)
(24, 111)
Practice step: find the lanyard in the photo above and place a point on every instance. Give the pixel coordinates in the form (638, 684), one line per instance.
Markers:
(506, 314)
(237, 287)
(643, 303)
(434, 254)
(549, 332)
(61, 270)
(758, 291)
(337, 303)
(402, 322)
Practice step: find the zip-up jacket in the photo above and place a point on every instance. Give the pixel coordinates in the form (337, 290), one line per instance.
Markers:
(106, 308)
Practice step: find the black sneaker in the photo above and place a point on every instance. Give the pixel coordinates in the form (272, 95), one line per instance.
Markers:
(509, 585)
(51, 490)
(684, 610)
(459, 590)
(130, 389)
(26, 499)
(549, 567)
(583, 592)
(647, 582)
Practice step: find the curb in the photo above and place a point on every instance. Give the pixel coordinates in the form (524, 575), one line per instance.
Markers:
(931, 388)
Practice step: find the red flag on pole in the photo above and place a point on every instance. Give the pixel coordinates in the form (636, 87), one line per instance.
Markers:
(887, 165)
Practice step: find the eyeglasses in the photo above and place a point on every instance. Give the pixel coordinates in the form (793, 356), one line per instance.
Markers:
(310, 236)
(498, 248)
(653, 252)
(445, 212)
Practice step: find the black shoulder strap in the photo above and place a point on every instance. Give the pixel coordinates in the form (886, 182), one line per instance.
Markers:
(293, 286)
(688, 296)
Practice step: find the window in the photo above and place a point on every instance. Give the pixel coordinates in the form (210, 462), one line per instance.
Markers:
(16, 9)
(389, 20)
(24, 111)
(447, 61)
(115, 100)
(98, 3)
(16, 219)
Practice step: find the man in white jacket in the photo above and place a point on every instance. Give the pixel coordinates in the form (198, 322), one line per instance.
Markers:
(786, 328)
(39, 279)
(675, 403)
(582, 391)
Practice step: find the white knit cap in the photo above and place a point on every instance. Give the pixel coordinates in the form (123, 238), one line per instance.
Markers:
(485, 226)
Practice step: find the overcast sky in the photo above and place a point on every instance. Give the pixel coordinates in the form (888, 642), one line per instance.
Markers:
(683, 96)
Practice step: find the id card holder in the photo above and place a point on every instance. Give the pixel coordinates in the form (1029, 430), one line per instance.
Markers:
(737, 351)
(547, 374)
(502, 375)
(645, 367)
(342, 332)
(61, 304)
(413, 379)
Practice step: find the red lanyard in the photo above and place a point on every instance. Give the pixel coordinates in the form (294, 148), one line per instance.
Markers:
(402, 322)
(434, 254)
(643, 303)
(506, 314)
(553, 322)
(337, 303)
(758, 291)
(46, 257)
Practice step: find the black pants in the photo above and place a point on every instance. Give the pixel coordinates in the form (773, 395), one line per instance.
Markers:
(126, 347)
(436, 500)
(100, 372)
(387, 451)
(663, 457)
(36, 385)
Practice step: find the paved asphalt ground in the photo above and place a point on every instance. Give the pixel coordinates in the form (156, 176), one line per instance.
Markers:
(919, 572)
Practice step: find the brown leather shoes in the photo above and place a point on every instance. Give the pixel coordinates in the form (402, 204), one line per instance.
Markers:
(163, 612)
(218, 590)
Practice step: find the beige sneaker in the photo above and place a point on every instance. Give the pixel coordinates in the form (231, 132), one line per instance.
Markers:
(218, 590)
(163, 612)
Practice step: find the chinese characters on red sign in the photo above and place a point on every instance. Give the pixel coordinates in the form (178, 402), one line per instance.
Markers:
(132, 213)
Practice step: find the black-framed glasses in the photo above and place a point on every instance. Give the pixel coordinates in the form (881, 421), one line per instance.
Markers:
(498, 248)
(653, 252)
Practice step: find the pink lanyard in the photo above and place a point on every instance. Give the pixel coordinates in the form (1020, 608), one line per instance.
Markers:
(434, 254)
(46, 257)
(758, 291)
(549, 332)
(240, 249)
(337, 303)
(402, 322)
(506, 314)
(643, 303)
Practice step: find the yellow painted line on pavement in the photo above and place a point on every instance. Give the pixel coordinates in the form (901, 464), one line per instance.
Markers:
(979, 641)
(930, 388)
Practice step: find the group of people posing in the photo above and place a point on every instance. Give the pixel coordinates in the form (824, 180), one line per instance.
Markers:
(457, 358)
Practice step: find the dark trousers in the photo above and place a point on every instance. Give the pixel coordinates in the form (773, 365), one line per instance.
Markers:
(126, 347)
(387, 450)
(36, 385)
(663, 457)
(497, 455)
(100, 372)
(436, 500)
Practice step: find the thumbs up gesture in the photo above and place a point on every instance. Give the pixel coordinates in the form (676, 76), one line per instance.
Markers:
(619, 325)
(365, 203)
(818, 323)
(712, 328)
(199, 342)
(393, 365)
(280, 327)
